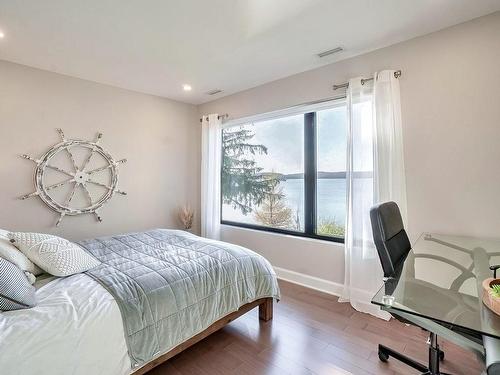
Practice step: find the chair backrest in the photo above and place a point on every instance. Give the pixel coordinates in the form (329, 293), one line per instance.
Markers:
(389, 235)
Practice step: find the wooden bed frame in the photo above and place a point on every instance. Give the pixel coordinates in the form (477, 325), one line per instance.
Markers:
(265, 314)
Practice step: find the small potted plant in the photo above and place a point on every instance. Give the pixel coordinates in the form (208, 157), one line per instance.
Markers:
(491, 292)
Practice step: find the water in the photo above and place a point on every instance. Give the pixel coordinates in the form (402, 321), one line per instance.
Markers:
(331, 201)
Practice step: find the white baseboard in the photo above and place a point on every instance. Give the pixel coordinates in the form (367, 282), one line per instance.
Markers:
(308, 281)
(330, 287)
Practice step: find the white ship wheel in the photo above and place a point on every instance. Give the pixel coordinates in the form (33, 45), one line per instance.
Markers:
(79, 177)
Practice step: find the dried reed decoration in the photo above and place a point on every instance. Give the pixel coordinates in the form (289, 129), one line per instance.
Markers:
(186, 216)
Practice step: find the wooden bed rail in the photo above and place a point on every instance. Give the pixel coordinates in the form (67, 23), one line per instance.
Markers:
(265, 314)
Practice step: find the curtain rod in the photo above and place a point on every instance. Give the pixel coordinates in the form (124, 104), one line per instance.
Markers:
(397, 74)
(319, 101)
(224, 116)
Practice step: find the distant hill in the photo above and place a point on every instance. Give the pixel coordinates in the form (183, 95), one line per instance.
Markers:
(321, 175)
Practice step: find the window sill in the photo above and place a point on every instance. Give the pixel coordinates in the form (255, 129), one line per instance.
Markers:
(282, 232)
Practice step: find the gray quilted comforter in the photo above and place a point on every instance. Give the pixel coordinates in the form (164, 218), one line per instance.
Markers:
(170, 285)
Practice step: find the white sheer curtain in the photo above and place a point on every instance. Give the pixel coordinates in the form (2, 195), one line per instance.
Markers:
(375, 172)
(389, 168)
(211, 143)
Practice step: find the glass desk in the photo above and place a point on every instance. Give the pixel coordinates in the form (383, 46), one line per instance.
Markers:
(441, 279)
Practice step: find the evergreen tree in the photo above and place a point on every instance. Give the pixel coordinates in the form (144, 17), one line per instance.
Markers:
(273, 211)
(243, 184)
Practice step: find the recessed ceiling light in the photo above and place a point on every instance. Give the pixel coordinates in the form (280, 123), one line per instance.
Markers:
(2, 35)
(186, 87)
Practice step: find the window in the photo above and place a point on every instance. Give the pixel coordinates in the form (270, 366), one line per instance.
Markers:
(331, 176)
(287, 174)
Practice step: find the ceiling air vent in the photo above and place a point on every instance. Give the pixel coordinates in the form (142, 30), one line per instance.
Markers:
(214, 92)
(330, 52)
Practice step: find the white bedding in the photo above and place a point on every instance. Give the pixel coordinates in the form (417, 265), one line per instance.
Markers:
(76, 328)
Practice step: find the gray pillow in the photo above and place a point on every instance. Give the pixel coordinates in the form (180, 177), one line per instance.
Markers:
(15, 290)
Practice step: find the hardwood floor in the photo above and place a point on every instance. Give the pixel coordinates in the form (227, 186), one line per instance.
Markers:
(311, 333)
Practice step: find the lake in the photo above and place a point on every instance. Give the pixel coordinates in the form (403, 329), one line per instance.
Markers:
(331, 201)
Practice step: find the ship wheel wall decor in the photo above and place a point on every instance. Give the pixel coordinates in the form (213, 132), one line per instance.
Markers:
(95, 184)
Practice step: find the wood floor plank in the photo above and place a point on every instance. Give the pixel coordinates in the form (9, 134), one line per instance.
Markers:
(311, 333)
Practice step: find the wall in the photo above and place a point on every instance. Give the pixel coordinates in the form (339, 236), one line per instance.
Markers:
(451, 117)
(159, 137)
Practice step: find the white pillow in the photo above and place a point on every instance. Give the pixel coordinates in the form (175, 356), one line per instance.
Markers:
(53, 254)
(9, 252)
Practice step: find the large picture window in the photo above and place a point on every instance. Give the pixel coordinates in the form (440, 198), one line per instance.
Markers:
(287, 174)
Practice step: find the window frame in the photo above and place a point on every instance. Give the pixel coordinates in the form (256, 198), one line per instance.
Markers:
(310, 172)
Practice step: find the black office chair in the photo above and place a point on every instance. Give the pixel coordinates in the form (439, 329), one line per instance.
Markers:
(393, 246)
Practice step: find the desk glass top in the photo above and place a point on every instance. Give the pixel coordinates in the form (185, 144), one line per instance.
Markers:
(441, 279)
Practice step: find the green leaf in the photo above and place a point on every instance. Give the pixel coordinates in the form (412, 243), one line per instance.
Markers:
(495, 290)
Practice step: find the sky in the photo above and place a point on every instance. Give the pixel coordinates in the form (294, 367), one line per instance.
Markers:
(284, 139)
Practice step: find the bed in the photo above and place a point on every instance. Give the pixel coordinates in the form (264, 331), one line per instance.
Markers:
(86, 324)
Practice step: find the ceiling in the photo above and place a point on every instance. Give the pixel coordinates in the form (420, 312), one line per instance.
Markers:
(156, 46)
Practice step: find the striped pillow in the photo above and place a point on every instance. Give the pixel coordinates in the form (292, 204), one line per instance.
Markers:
(15, 290)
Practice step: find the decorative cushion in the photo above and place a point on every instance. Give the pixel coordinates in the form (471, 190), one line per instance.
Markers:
(9, 252)
(53, 254)
(15, 290)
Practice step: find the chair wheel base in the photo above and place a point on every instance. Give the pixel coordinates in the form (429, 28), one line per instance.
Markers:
(384, 353)
(441, 355)
(384, 357)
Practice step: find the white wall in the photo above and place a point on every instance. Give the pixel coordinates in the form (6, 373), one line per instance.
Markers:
(450, 101)
(451, 119)
(159, 137)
